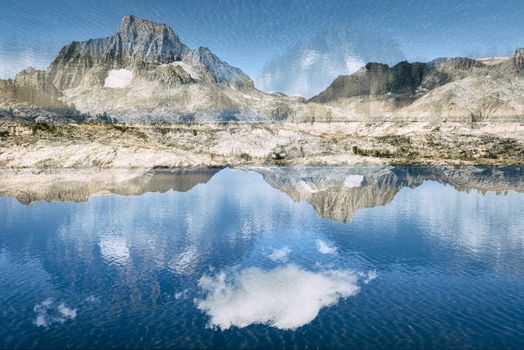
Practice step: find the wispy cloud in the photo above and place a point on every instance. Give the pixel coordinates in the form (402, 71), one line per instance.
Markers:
(280, 255)
(325, 247)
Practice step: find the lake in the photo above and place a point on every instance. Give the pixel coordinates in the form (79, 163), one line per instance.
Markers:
(265, 257)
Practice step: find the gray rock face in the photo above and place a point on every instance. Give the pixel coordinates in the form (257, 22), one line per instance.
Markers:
(31, 87)
(138, 44)
(518, 61)
(216, 70)
(410, 80)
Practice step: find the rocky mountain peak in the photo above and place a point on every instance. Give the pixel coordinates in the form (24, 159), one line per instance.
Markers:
(149, 41)
(132, 24)
(140, 46)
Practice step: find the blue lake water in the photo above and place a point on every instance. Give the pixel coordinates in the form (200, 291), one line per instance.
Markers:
(269, 258)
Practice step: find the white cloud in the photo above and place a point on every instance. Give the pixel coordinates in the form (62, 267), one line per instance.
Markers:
(93, 299)
(48, 313)
(353, 64)
(325, 247)
(286, 297)
(281, 254)
(309, 58)
(182, 295)
(118, 78)
(67, 312)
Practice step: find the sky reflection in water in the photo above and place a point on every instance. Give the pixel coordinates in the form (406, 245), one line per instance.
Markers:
(236, 262)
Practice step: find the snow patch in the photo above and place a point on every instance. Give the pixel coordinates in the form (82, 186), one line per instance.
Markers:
(118, 78)
(370, 276)
(353, 181)
(286, 297)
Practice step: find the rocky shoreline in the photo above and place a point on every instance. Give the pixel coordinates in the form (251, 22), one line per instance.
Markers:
(48, 146)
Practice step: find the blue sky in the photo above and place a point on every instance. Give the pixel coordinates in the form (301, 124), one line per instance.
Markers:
(248, 34)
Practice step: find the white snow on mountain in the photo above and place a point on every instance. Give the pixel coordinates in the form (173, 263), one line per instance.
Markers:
(118, 78)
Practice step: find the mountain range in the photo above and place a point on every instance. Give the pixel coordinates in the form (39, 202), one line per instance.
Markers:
(144, 73)
(445, 87)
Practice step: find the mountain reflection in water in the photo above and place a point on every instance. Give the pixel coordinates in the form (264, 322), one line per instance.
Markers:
(334, 192)
(347, 257)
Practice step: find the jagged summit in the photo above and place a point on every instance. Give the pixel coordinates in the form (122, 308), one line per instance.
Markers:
(149, 41)
(139, 45)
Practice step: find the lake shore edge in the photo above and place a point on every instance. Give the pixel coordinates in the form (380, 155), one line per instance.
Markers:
(52, 146)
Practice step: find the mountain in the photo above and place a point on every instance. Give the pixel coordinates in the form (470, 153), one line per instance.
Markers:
(142, 73)
(145, 48)
(449, 87)
(309, 66)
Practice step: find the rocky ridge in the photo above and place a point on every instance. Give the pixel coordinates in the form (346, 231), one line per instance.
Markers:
(145, 74)
(442, 88)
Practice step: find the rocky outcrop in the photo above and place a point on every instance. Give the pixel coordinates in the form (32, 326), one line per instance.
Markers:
(518, 60)
(515, 65)
(143, 73)
(30, 87)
